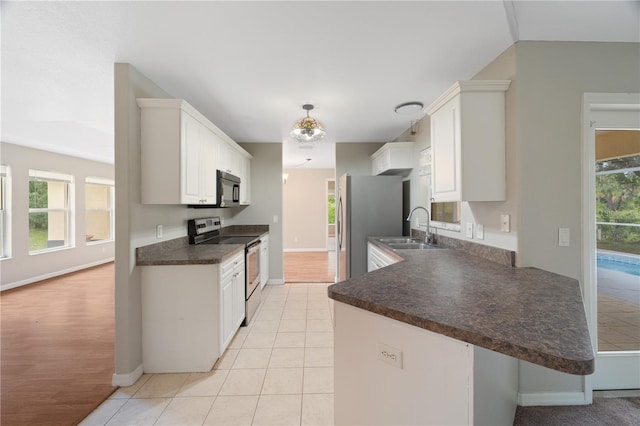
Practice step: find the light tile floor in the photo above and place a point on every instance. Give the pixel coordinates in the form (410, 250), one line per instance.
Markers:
(276, 371)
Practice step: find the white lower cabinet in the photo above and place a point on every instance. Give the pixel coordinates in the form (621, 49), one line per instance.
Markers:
(389, 372)
(377, 258)
(190, 313)
(232, 312)
(264, 260)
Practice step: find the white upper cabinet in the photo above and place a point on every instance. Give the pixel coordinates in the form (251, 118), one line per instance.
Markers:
(180, 152)
(468, 142)
(394, 158)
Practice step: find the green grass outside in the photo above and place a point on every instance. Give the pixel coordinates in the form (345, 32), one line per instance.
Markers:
(37, 239)
(621, 246)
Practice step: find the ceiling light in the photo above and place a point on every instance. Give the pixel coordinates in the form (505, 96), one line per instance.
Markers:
(409, 108)
(307, 129)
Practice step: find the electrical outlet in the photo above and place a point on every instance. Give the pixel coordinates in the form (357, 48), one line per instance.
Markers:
(158, 231)
(505, 223)
(480, 231)
(389, 355)
(469, 229)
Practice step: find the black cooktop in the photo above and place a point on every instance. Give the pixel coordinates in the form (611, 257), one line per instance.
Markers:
(230, 240)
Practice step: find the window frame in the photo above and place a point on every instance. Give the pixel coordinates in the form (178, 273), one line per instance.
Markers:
(5, 212)
(46, 176)
(110, 184)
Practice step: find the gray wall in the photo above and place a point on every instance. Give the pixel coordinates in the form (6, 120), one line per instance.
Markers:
(544, 162)
(22, 268)
(552, 79)
(355, 158)
(136, 222)
(266, 199)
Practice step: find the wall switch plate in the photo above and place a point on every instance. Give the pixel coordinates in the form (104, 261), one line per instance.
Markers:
(389, 355)
(564, 237)
(480, 231)
(505, 223)
(275, 218)
(158, 231)
(469, 229)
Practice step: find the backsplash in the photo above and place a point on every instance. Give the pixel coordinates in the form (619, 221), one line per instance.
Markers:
(493, 254)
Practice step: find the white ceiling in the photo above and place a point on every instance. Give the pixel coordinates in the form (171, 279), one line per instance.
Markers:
(249, 66)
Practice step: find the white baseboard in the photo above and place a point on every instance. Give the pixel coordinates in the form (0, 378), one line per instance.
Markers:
(275, 281)
(552, 398)
(32, 280)
(128, 379)
(293, 250)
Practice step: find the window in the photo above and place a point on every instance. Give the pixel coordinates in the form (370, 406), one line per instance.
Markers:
(99, 195)
(5, 188)
(49, 214)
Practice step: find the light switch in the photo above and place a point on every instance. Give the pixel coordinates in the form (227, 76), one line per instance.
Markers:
(275, 218)
(480, 231)
(159, 231)
(564, 237)
(469, 229)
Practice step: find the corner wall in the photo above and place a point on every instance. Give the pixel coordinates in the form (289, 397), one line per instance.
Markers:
(136, 222)
(22, 268)
(266, 201)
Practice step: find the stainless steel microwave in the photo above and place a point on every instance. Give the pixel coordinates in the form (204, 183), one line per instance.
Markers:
(227, 192)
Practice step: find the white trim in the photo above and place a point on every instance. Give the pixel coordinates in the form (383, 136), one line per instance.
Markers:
(322, 249)
(50, 176)
(592, 102)
(54, 274)
(467, 86)
(92, 180)
(552, 398)
(275, 281)
(127, 379)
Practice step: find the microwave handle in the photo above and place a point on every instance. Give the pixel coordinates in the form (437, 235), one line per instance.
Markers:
(236, 193)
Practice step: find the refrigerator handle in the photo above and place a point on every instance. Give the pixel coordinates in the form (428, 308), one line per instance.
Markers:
(339, 224)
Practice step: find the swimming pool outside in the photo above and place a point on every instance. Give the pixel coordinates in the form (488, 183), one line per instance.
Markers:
(622, 262)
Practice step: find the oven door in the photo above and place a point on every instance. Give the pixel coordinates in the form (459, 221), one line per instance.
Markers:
(253, 293)
(253, 268)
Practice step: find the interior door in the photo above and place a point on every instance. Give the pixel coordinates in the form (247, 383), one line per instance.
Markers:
(612, 241)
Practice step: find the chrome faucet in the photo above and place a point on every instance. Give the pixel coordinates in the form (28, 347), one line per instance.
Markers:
(427, 236)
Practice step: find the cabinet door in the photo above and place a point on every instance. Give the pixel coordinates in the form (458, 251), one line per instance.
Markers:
(245, 180)
(264, 261)
(190, 166)
(239, 296)
(222, 156)
(208, 163)
(445, 143)
(226, 313)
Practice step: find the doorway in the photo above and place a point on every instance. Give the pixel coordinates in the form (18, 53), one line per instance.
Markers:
(611, 251)
(309, 234)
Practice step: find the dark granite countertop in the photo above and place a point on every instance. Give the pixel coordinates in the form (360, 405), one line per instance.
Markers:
(527, 313)
(179, 252)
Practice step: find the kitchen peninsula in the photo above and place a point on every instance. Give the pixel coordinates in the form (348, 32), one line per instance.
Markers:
(435, 339)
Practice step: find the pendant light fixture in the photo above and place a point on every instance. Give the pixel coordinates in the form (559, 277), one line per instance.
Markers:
(307, 129)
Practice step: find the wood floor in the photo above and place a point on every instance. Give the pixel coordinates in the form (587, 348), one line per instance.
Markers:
(310, 267)
(57, 341)
(57, 348)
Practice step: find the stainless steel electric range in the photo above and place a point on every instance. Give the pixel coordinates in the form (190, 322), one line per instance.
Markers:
(207, 231)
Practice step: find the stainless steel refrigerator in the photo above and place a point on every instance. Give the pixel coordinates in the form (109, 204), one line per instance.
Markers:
(367, 206)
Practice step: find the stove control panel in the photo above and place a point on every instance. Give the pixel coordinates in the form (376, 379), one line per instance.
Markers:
(204, 225)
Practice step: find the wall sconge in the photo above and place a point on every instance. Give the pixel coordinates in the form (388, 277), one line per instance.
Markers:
(285, 176)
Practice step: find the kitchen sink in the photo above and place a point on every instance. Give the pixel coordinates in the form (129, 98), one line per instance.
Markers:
(411, 246)
(405, 240)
